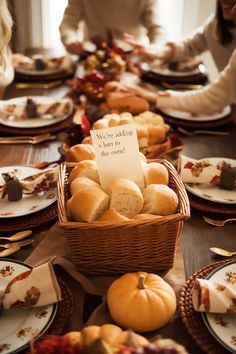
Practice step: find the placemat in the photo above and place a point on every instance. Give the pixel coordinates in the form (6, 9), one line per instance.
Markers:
(192, 319)
(65, 309)
(29, 221)
(193, 79)
(211, 207)
(35, 131)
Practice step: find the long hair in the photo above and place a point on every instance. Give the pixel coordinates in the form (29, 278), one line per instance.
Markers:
(223, 27)
(5, 31)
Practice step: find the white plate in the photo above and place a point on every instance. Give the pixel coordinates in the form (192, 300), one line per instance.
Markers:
(223, 326)
(197, 118)
(20, 326)
(166, 72)
(211, 192)
(29, 204)
(31, 122)
(38, 72)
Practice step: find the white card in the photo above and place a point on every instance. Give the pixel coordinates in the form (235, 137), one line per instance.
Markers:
(117, 154)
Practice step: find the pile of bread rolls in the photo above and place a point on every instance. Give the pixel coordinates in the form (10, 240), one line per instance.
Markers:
(124, 200)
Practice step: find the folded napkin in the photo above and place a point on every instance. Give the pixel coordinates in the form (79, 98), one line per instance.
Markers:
(33, 288)
(39, 182)
(203, 171)
(214, 297)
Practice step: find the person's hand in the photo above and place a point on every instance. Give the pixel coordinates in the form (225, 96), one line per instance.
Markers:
(142, 92)
(19, 58)
(74, 47)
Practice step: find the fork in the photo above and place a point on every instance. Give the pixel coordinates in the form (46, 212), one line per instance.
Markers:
(16, 244)
(27, 139)
(205, 132)
(217, 222)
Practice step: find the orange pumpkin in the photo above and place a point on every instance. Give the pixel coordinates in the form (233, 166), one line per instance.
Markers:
(141, 301)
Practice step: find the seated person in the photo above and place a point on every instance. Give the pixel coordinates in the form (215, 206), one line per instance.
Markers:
(138, 18)
(6, 68)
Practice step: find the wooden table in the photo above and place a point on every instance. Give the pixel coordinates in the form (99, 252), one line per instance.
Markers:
(197, 236)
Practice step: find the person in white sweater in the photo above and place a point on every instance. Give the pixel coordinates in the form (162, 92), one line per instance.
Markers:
(217, 35)
(211, 99)
(136, 17)
(6, 67)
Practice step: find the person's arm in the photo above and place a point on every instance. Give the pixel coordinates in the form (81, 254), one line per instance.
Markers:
(195, 43)
(209, 100)
(69, 25)
(7, 72)
(155, 31)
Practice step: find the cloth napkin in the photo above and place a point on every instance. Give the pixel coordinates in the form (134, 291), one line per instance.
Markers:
(214, 297)
(199, 171)
(33, 288)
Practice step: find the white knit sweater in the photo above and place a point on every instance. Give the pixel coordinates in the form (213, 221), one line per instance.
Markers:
(7, 74)
(204, 38)
(136, 17)
(213, 98)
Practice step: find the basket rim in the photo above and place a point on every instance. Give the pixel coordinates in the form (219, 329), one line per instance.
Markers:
(182, 215)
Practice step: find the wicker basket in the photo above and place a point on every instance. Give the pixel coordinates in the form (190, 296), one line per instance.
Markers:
(101, 248)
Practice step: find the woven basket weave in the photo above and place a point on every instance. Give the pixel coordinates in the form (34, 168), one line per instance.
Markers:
(100, 248)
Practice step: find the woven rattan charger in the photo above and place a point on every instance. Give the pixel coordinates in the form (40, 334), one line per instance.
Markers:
(192, 319)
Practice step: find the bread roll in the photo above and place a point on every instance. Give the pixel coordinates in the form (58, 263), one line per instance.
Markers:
(113, 215)
(124, 103)
(126, 118)
(126, 197)
(87, 140)
(89, 204)
(86, 168)
(80, 152)
(82, 182)
(68, 213)
(142, 135)
(101, 124)
(156, 134)
(159, 199)
(155, 173)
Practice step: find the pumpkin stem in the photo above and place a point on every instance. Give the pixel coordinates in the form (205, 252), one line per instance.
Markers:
(141, 282)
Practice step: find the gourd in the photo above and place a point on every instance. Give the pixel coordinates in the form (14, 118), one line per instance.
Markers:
(141, 301)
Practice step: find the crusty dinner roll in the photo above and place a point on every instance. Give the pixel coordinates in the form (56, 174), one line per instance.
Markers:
(112, 215)
(156, 134)
(101, 124)
(142, 135)
(155, 173)
(123, 103)
(86, 168)
(82, 182)
(88, 204)
(126, 118)
(80, 152)
(68, 213)
(126, 197)
(87, 140)
(159, 199)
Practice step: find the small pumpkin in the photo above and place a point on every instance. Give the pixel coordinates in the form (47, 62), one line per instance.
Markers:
(141, 301)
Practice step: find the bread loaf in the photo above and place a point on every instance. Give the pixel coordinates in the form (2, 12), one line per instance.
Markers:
(80, 152)
(155, 173)
(159, 199)
(86, 168)
(82, 182)
(124, 103)
(146, 216)
(111, 215)
(88, 204)
(126, 197)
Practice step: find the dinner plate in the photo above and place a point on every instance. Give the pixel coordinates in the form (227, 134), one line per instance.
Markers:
(166, 72)
(29, 203)
(33, 72)
(20, 326)
(211, 192)
(197, 118)
(31, 122)
(223, 326)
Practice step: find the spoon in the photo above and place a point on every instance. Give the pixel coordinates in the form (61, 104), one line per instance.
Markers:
(222, 252)
(9, 251)
(18, 236)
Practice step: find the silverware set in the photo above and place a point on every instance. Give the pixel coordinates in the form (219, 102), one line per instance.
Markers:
(201, 132)
(215, 222)
(15, 243)
(27, 139)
